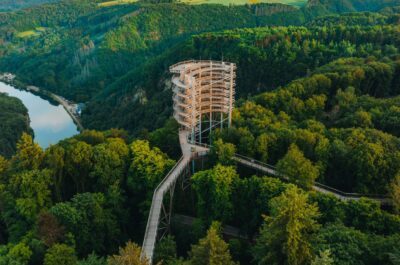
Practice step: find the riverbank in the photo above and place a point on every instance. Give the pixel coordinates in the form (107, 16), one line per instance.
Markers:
(70, 107)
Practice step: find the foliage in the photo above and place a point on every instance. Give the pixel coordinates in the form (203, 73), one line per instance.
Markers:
(395, 258)
(147, 163)
(29, 154)
(297, 168)
(11, 5)
(250, 197)
(320, 101)
(13, 120)
(31, 191)
(93, 259)
(85, 215)
(19, 254)
(49, 230)
(112, 51)
(165, 251)
(347, 245)
(60, 254)
(76, 189)
(214, 190)
(223, 152)
(128, 255)
(282, 58)
(286, 235)
(324, 258)
(166, 138)
(395, 192)
(211, 249)
(349, 138)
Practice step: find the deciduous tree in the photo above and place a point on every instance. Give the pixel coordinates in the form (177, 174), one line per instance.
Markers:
(49, 230)
(214, 189)
(29, 154)
(60, 254)
(32, 191)
(223, 152)
(297, 168)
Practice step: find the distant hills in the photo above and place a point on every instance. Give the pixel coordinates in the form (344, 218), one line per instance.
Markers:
(7, 5)
(340, 6)
(298, 3)
(115, 56)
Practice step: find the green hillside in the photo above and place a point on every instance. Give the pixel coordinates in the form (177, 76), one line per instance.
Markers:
(351, 5)
(101, 44)
(86, 50)
(317, 102)
(8, 5)
(298, 3)
(282, 60)
(14, 120)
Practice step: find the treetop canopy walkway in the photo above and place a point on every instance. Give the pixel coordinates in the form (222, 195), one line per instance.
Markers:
(205, 89)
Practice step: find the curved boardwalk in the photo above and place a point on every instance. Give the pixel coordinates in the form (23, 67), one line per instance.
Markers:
(257, 165)
(188, 152)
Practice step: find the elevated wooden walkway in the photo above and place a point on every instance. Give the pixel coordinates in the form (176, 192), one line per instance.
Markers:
(344, 196)
(190, 151)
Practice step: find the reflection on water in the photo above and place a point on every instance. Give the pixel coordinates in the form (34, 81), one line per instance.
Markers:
(49, 122)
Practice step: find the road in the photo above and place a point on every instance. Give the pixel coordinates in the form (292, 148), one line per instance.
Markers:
(67, 106)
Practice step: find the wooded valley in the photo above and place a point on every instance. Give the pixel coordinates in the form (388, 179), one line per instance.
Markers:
(317, 96)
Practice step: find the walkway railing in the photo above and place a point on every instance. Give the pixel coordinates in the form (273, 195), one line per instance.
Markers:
(170, 179)
(165, 185)
(258, 165)
(349, 195)
(153, 221)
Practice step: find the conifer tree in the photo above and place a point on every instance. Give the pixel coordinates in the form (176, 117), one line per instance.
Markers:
(128, 255)
(324, 258)
(286, 235)
(211, 250)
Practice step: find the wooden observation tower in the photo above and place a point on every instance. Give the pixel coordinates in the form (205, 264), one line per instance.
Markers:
(204, 96)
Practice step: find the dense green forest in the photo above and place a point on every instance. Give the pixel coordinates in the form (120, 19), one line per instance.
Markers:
(8, 5)
(318, 96)
(266, 59)
(14, 121)
(79, 200)
(99, 45)
(80, 50)
(351, 5)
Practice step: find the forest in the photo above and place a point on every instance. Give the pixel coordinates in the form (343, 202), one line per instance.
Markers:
(80, 201)
(317, 96)
(9, 5)
(78, 49)
(14, 120)
(285, 53)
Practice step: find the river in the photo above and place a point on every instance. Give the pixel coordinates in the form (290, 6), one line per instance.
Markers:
(50, 123)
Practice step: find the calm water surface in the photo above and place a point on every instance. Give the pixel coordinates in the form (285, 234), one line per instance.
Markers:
(49, 122)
